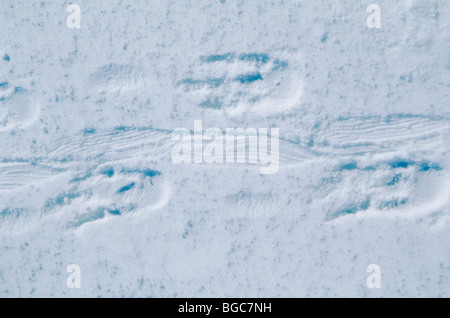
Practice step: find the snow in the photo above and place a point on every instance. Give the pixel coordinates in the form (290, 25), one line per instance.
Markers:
(87, 178)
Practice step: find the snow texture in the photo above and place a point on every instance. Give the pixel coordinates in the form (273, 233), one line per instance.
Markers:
(86, 175)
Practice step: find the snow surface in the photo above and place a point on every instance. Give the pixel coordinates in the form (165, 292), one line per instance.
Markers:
(86, 175)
